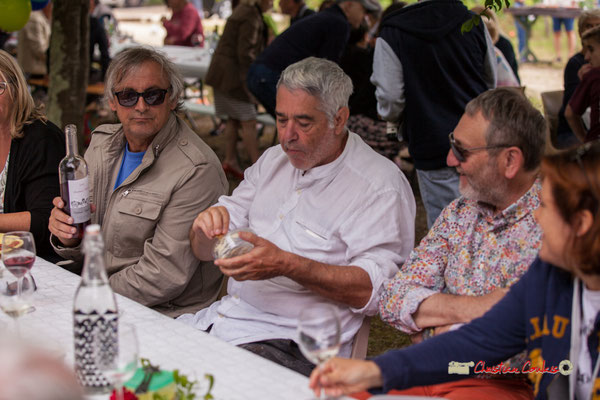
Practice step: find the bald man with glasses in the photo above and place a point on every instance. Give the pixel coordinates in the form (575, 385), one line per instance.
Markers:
(483, 241)
(149, 176)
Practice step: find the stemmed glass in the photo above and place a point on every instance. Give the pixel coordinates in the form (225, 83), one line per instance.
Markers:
(13, 303)
(319, 333)
(18, 256)
(118, 364)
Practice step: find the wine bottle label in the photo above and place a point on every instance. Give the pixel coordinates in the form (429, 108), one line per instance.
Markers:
(79, 200)
(95, 336)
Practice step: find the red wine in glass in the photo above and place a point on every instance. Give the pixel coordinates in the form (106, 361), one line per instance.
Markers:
(19, 265)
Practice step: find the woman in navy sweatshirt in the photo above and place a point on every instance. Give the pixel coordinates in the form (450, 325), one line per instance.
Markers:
(552, 312)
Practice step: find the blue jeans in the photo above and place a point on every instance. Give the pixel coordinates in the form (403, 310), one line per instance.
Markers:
(438, 188)
(262, 83)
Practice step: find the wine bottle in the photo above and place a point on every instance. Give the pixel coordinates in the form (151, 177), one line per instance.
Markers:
(74, 186)
(95, 316)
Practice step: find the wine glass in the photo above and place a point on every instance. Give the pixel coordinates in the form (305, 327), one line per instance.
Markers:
(118, 363)
(18, 256)
(319, 333)
(13, 303)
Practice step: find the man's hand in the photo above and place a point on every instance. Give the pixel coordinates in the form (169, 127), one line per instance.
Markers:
(340, 376)
(264, 261)
(212, 222)
(60, 224)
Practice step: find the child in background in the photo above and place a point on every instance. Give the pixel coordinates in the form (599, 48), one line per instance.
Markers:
(587, 93)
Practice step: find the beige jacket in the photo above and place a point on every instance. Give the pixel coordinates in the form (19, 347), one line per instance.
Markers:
(146, 220)
(34, 40)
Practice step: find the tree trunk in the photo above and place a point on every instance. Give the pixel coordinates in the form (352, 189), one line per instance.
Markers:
(69, 63)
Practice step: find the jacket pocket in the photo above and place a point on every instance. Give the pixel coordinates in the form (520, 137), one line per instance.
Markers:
(138, 212)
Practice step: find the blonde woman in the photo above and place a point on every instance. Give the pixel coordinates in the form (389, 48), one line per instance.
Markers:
(31, 148)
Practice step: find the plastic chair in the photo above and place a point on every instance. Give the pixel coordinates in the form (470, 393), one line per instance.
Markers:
(552, 101)
(361, 340)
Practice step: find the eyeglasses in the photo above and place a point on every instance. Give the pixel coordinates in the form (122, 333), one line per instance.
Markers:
(3, 86)
(152, 97)
(462, 154)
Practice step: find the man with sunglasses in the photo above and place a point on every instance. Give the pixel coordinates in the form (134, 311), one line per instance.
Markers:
(482, 242)
(150, 176)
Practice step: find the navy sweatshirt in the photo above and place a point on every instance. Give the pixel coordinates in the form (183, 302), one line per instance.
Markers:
(534, 315)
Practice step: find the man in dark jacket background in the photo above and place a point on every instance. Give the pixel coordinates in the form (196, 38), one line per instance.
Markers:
(426, 71)
(322, 35)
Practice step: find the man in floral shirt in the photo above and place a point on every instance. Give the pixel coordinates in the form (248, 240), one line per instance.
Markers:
(482, 242)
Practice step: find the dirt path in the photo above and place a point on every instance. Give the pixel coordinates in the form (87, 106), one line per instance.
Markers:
(538, 78)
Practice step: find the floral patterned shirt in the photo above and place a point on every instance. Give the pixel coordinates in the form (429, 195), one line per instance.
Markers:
(468, 251)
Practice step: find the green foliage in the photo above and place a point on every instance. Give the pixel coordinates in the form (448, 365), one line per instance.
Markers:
(184, 387)
(495, 5)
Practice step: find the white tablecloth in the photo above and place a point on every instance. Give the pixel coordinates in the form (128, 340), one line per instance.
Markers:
(238, 373)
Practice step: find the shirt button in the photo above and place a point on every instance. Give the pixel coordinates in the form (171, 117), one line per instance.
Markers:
(138, 210)
(280, 216)
(183, 142)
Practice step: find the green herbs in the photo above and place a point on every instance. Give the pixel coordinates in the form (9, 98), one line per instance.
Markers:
(184, 387)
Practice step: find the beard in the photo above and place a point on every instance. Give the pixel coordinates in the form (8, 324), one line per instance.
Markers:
(487, 186)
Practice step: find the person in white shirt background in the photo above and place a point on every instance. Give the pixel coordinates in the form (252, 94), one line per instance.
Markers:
(333, 219)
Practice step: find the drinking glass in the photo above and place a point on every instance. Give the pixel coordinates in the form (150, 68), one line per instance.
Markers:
(13, 303)
(18, 256)
(118, 363)
(319, 333)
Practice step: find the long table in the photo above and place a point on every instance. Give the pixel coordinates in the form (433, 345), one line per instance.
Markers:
(171, 344)
(527, 23)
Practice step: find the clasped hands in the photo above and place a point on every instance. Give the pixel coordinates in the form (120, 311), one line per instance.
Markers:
(264, 261)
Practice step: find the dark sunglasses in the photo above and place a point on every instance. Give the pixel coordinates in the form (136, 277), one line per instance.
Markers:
(462, 154)
(152, 97)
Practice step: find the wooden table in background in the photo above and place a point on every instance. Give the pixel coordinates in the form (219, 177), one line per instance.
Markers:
(535, 12)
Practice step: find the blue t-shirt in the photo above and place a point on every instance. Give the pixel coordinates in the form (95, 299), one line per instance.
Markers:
(130, 162)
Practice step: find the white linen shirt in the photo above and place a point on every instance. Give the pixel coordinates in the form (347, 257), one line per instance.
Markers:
(358, 210)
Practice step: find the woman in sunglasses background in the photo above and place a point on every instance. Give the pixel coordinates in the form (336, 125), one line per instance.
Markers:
(553, 312)
(31, 148)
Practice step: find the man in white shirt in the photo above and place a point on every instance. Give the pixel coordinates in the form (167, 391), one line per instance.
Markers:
(333, 220)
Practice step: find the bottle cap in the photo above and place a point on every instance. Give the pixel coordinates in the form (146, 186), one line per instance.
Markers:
(93, 229)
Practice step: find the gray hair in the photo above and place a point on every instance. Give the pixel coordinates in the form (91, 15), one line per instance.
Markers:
(584, 16)
(128, 60)
(321, 78)
(513, 121)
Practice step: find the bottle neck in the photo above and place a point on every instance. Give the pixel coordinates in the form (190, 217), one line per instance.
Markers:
(71, 138)
(94, 270)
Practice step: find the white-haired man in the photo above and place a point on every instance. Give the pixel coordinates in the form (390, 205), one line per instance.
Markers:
(333, 220)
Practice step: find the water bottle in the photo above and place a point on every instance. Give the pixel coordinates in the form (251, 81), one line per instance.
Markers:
(95, 316)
